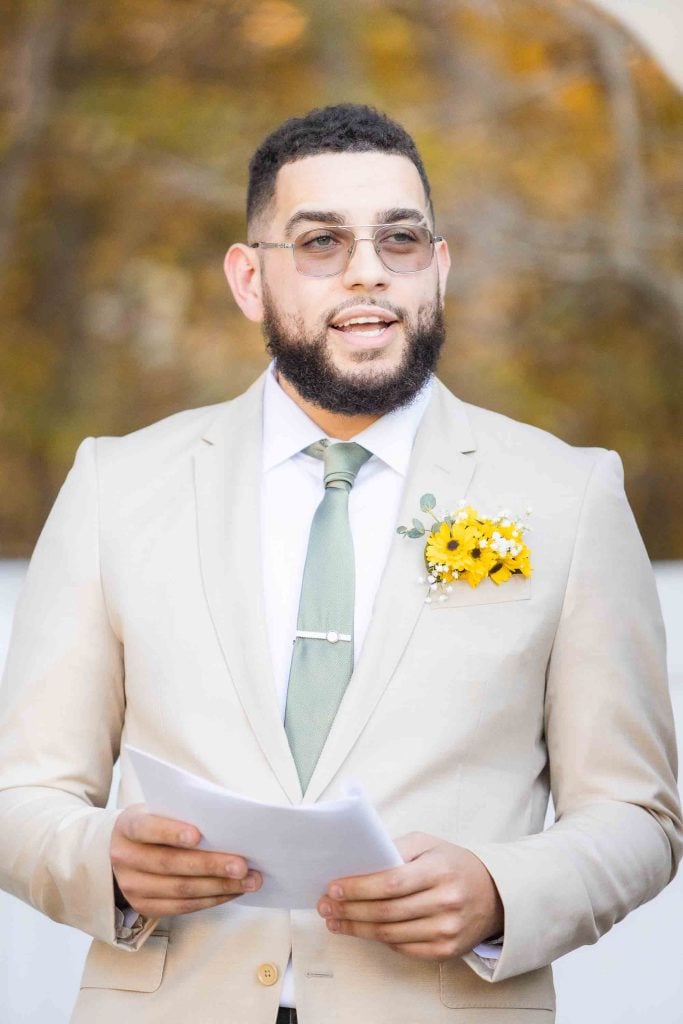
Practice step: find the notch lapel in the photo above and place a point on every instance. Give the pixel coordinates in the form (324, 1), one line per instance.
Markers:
(442, 463)
(228, 494)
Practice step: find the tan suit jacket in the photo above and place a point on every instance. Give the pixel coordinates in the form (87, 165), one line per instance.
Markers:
(142, 621)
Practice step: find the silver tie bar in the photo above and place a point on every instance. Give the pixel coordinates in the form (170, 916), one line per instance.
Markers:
(332, 636)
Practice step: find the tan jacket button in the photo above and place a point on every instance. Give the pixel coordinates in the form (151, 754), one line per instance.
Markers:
(267, 974)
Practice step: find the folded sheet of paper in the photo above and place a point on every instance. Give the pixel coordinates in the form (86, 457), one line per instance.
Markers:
(299, 850)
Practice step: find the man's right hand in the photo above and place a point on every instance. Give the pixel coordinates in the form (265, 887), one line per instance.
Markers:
(160, 873)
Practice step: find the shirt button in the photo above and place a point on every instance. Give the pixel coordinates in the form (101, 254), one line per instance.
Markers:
(267, 974)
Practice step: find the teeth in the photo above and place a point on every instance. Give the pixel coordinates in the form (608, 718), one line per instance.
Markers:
(362, 320)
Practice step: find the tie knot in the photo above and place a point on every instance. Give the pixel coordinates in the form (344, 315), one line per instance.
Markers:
(342, 461)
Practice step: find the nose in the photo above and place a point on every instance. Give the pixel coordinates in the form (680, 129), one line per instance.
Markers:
(365, 269)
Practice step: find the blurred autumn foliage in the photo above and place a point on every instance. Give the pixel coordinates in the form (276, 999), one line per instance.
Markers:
(555, 152)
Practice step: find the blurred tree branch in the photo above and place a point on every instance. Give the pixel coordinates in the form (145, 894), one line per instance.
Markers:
(29, 87)
(629, 226)
(337, 53)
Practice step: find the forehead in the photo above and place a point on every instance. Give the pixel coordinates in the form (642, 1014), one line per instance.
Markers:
(356, 185)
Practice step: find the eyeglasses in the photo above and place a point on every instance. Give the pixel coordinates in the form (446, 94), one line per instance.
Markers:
(326, 251)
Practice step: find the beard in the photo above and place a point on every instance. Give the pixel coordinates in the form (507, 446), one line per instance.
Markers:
(305, 361)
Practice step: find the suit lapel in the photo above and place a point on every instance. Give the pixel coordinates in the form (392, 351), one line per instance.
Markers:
(442, 463)
(228, 494)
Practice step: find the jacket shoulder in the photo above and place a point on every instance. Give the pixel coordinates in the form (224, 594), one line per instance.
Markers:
(167, 437)
(504, 437)
(169, 443)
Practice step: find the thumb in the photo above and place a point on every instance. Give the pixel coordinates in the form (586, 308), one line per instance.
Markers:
(414, 844)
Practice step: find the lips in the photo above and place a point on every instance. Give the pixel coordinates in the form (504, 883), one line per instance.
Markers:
(366, 323)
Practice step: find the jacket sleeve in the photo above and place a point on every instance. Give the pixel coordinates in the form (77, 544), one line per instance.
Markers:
(61, 714)
(617, 836)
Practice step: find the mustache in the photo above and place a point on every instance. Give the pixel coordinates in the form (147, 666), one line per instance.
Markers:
(359, 300)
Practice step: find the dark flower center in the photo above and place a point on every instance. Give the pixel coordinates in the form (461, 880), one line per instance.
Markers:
(453, 544)
(476, 552)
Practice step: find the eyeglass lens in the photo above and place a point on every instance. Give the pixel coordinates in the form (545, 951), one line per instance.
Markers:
(323, 252)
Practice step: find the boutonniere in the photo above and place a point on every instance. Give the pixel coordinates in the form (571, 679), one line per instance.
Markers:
(469, 546)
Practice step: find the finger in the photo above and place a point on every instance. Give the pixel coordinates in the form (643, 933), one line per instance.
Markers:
(405, 908)
(171, 908)
(138, 886)
(168, 860)
(409, 878)
(440, 929)
(140, 827)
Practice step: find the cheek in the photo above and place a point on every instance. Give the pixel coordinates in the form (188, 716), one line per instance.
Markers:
(418, 296)
(304, 302)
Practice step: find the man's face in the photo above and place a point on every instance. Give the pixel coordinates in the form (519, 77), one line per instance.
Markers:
(340, 366)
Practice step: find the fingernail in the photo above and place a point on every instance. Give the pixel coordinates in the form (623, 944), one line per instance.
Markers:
(336, 892)
(333, 925)
(249, 883)
(325, 909)
(233, 870)
(186, 838)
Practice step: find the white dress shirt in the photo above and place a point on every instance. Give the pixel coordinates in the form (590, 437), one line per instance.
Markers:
(292, 489)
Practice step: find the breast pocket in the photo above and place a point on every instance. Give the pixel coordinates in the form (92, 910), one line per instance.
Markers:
(517, 588)
(460, 988)
(139, 971)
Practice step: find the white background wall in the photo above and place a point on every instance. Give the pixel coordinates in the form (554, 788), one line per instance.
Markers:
(632, 976)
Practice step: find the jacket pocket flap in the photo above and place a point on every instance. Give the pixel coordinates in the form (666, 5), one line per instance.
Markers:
(461, 988)
(517, 588)
(139, 971)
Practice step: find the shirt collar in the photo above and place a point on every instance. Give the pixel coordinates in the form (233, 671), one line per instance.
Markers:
(287, 429)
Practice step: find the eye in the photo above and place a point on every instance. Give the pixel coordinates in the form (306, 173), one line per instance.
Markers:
(318, 241)
(399, 236)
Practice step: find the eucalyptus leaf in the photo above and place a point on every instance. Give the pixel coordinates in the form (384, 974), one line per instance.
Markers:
(427, 502)
(417, 525)
(415, 533)
(401, 530)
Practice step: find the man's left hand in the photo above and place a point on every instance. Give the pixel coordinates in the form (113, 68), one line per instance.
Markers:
(440, 904)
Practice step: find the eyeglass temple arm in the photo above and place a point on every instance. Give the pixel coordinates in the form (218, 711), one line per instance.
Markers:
(271, 245)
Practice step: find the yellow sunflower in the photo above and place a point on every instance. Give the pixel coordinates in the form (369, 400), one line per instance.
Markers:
(446, 546)
(505, 542)
(458, 548)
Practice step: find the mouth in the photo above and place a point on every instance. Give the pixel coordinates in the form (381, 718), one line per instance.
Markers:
(366, 328)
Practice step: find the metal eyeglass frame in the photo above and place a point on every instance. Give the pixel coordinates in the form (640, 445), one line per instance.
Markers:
(348, 227)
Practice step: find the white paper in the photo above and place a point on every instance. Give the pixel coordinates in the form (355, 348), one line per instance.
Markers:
(299, 850)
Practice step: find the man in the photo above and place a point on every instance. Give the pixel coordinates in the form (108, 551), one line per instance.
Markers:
(169, 605)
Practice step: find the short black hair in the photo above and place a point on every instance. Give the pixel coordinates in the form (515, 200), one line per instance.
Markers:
(343, 128)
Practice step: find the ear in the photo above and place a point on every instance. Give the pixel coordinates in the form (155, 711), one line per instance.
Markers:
(443, 265)
(243, 272)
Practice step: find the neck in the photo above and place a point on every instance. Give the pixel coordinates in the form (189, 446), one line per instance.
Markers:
(333, 424)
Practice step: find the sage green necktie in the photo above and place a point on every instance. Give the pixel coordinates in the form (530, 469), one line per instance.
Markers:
(322, 659)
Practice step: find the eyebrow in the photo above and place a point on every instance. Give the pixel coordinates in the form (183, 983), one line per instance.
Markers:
(393, 215)
(314, 216)
(400, 213)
